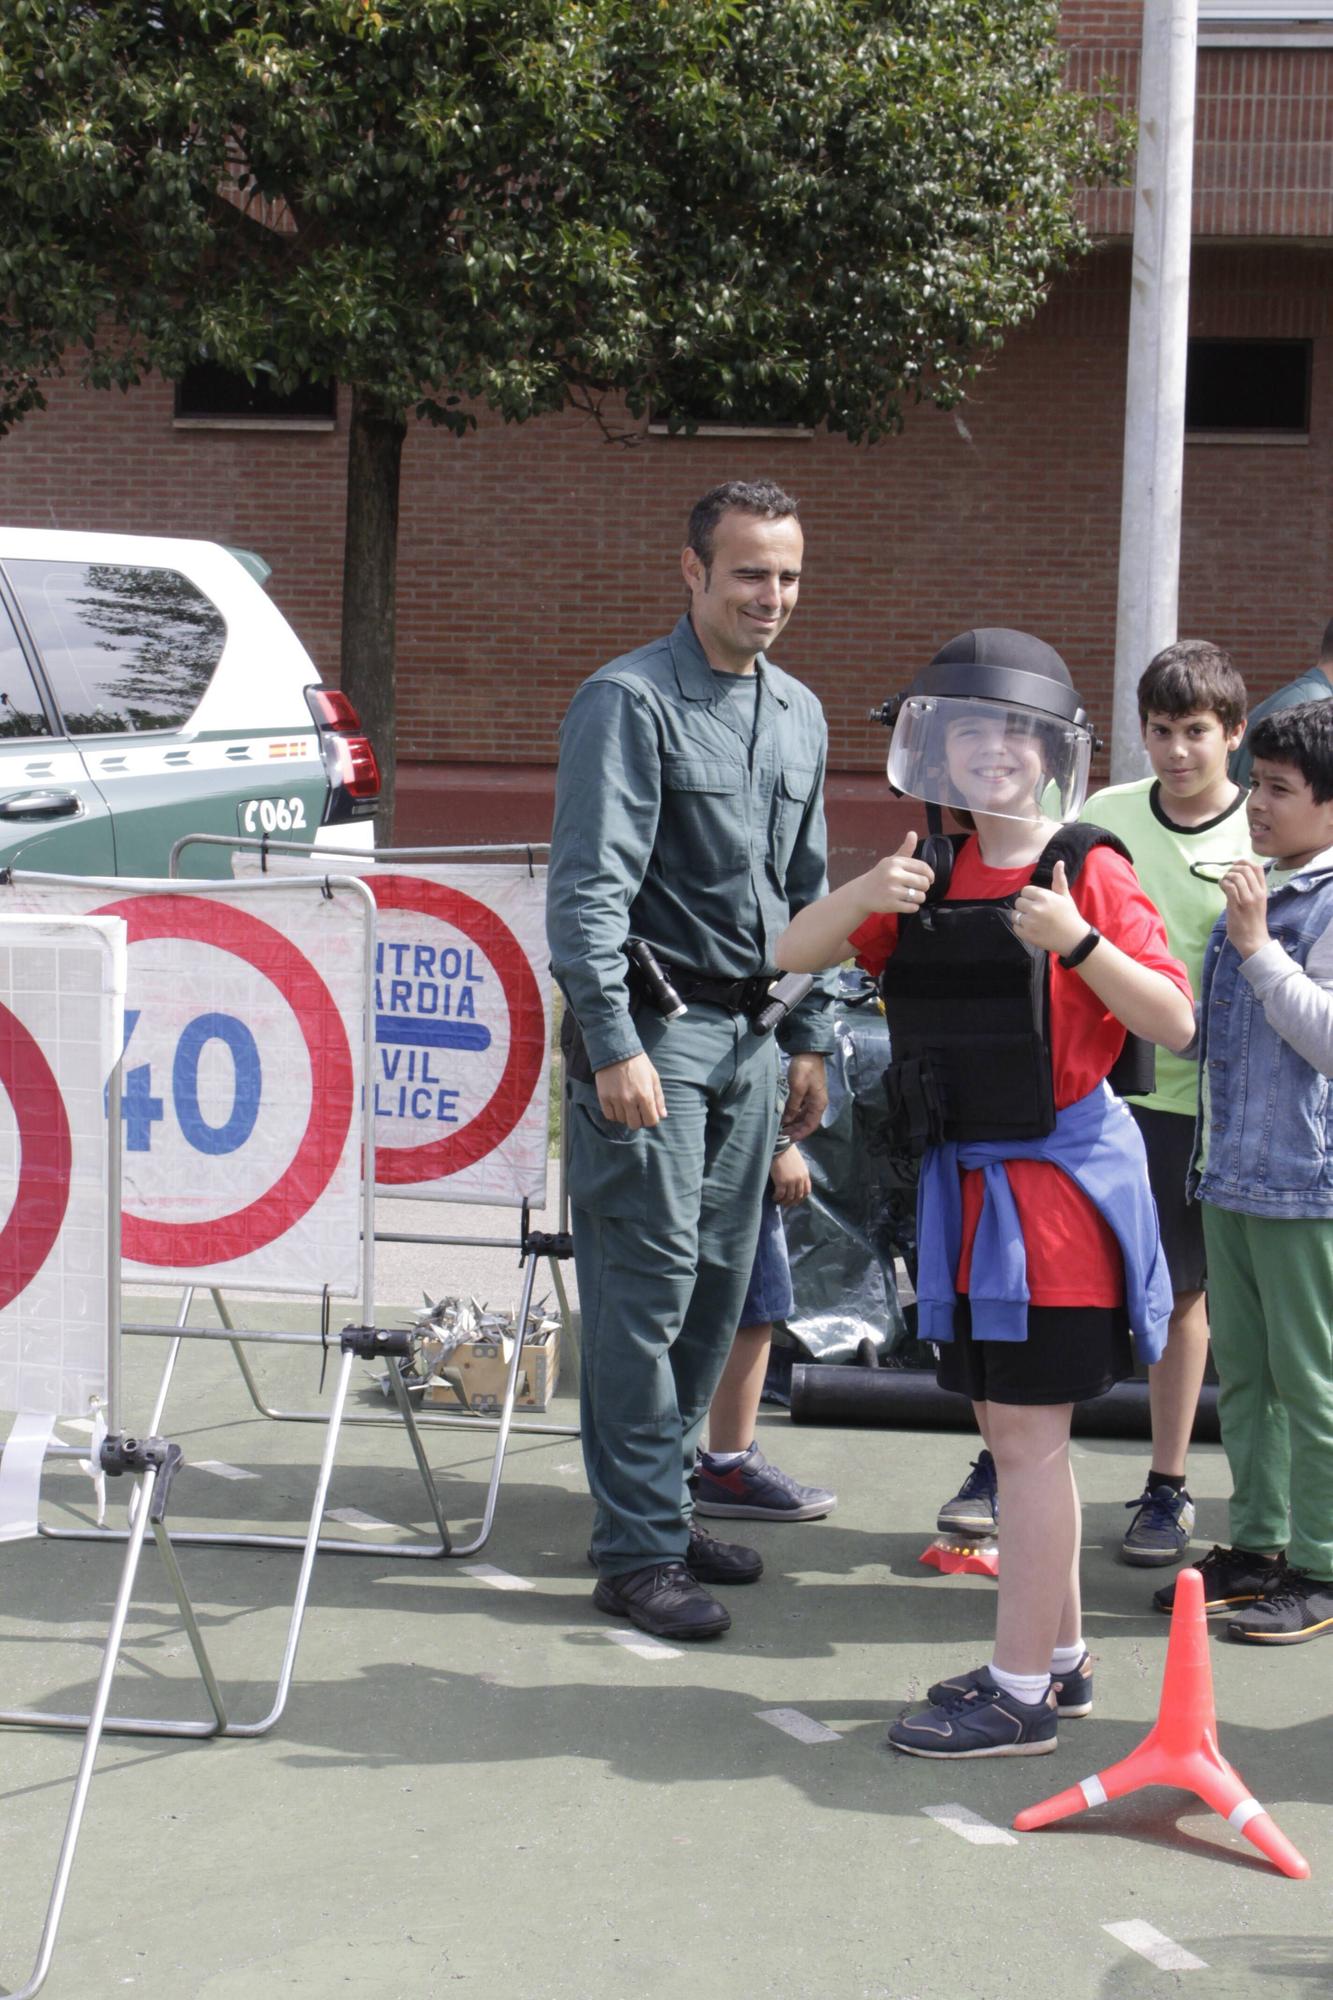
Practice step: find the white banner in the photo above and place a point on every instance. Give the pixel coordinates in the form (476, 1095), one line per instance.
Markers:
(62, 985)
(242, 1081)
(462, 1027)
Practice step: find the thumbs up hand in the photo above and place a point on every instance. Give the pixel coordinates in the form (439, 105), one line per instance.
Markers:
(898, 883)
(1049, 919)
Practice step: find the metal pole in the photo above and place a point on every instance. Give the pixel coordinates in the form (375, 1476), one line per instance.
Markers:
(1147, 604)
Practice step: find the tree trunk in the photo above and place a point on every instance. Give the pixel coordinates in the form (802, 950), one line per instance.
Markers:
(370, 575)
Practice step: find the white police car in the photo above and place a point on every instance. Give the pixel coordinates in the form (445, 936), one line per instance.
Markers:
(150, 688)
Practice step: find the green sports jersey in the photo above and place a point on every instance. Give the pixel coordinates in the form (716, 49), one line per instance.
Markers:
(1163, 853)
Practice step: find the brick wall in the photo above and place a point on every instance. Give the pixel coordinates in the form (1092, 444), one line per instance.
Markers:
(530, 554)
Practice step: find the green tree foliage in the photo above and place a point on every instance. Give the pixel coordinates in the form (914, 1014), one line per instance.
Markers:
(810, 210)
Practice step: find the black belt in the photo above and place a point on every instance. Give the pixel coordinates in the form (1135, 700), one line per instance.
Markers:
(738, 996)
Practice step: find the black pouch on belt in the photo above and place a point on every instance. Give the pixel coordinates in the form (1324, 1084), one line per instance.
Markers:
(574, 1049)
(916, 1113)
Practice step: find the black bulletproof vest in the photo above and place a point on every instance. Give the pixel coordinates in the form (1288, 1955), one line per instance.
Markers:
(968, 1003)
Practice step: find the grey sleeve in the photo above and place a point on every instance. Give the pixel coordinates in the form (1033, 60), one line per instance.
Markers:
(608, 791)
(1298, 1005)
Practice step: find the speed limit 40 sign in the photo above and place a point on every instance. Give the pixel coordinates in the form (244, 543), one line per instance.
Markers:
(241, 1082)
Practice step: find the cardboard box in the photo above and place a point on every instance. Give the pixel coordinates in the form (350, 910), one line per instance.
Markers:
(482, 1365)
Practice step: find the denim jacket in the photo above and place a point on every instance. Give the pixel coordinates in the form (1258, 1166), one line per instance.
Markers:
(1265, 1053)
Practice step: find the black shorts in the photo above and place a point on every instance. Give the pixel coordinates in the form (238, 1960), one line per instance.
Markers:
(1168, 1140)
(1071, 1354)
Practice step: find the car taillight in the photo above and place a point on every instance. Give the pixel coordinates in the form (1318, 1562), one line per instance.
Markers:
(349, 759)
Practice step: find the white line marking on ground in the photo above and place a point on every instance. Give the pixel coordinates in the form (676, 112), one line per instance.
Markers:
(352, 1517)
(803, 1727)
(221, 1470)
(76, 1424)
(1157, 1949)
(646, 1648)
(498, 1579)
(970, 1826)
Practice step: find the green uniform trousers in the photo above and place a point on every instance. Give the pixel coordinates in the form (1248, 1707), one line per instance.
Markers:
(665, 1225)
(1270, 1311)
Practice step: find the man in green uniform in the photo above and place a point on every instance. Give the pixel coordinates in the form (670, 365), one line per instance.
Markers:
(689, 815)
(1315, 684)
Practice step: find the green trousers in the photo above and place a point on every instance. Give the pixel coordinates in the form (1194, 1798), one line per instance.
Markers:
(665, 1225)
(1270, 1312)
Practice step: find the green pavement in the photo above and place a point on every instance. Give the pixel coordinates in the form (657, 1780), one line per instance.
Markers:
(476, 1789)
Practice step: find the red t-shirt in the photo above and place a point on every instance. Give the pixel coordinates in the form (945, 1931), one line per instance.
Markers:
(1073, 1258)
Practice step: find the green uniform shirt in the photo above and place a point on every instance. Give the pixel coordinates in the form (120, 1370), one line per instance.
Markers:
(677, 823)
(1309, 686)
(1189, 907)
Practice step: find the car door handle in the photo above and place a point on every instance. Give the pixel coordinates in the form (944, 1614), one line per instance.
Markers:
(40, 805)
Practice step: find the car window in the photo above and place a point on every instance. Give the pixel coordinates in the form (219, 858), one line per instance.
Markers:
(125, 647)
(20, 705)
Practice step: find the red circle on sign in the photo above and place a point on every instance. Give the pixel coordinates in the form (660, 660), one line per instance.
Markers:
(400, 1165)
(45, 1154)
(332, 1091)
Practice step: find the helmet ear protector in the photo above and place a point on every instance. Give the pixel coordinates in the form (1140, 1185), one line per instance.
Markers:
(1001, 687)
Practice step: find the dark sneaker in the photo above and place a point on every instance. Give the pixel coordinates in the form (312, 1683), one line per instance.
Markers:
(975, 1506)
(1293, 1607)
(1073, 1691)
(1231, 1578)
(663, 1599)
(754, 1490)
(711, 1561)
(1160, 1530)
(982, 1722)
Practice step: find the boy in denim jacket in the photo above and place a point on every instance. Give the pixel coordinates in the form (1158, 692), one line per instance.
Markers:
(1264, 1173)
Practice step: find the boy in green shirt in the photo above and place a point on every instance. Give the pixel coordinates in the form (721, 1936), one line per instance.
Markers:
(1184, 826)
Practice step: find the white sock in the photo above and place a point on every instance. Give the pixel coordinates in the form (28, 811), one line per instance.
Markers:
(722, 1461)
(1064, 1659)
(1029, 1688)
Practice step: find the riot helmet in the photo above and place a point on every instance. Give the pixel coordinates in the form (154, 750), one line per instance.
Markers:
(992, 725)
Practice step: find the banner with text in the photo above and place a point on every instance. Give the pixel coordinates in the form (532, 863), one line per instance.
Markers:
(462, 1026)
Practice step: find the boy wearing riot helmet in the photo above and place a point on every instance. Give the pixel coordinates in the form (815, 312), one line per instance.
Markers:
(1012, 963)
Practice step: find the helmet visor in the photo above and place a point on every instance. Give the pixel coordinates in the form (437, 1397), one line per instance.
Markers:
(989, 757)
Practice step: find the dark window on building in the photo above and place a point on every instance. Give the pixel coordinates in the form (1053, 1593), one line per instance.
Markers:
(1248, 385)
(124, 647)
(21, 711)
(209, 391)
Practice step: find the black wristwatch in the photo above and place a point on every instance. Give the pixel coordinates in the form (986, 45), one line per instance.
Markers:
(1086, 944)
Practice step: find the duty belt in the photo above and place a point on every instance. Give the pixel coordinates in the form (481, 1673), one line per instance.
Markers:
(738, 996)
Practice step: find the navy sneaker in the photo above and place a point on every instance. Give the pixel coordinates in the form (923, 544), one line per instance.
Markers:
(664, 1599)
(711, 1561)
(1073, 1691)
(1292, 1607)
(1231, 1578)
(975, 1507)
(1160, 1530)
(982, 1722)
(754, 1490)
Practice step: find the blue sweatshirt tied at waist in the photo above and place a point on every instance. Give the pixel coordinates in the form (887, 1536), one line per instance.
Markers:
(1098, 1145)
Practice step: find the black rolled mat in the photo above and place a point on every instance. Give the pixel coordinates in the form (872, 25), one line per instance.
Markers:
(911, 1399)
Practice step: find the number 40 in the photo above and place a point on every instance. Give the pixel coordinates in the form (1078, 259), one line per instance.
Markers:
(141, 1110)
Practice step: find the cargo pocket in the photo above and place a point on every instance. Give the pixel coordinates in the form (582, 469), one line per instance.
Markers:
(608, 1163)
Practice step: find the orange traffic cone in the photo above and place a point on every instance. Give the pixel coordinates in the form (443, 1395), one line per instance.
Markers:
(954, 1557)
(1181, 1747)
